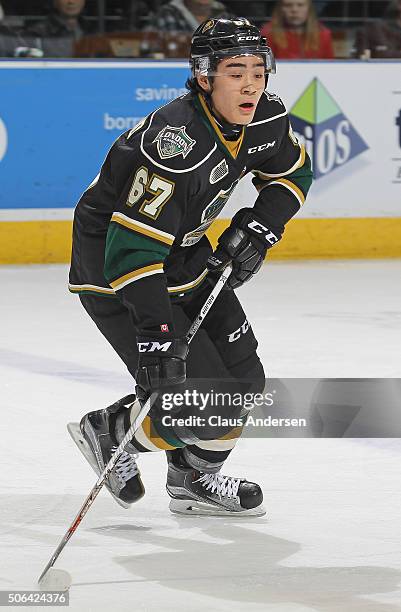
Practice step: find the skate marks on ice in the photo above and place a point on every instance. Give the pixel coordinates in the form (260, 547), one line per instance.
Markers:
(32, 525)
(380, 319)
(66, 370)
(233, 562)
(237, 561)
(43, 519)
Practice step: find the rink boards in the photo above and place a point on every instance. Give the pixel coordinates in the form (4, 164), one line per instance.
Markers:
(58, 119)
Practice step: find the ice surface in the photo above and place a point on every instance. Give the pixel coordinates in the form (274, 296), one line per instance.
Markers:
(331, 540)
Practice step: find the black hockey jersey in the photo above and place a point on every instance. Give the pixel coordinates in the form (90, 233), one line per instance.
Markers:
(139, 228)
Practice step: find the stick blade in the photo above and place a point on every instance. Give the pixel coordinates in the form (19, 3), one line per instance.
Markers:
(55, 580)
(75, 433)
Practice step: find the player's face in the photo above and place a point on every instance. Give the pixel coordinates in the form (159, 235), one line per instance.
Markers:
(295, 12)
(69, 8)
(237, 88)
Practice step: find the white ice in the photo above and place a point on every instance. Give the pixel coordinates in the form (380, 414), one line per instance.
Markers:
(331, 539)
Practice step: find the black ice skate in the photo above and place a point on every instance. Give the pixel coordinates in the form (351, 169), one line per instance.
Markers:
(198, 493)
(96, 438)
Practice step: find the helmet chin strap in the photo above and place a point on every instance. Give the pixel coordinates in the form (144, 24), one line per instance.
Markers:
(230, 131)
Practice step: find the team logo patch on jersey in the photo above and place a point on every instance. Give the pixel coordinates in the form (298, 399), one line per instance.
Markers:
(173, 141)
(218, 172)
(214, 208)
(211, 211)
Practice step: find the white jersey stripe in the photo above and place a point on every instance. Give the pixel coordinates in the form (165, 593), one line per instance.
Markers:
(267, 120)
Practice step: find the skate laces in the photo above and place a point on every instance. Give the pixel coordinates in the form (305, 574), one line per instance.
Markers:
(126, 467)
(223, 486)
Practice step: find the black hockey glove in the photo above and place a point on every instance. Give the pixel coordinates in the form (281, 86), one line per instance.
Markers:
(245, 243)
(161, 363)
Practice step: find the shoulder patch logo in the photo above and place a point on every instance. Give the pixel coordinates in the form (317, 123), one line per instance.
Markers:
(209, 24)
(272, 97)
(173, 141)
(218, 172)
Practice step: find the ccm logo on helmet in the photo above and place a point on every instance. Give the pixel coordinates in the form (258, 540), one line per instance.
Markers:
(261, 229)
(149, 347)
(248, 38)
(262, 147)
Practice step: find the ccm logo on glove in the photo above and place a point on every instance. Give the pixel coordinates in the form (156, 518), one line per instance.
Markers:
(149, 347)
(261, 229)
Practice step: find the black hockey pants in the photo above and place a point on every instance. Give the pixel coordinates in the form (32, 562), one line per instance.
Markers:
(224, 349)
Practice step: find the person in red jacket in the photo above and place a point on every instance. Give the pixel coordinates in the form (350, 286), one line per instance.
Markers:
(295, 33)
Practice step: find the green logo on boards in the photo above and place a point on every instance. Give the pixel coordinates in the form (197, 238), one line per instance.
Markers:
(173, 141)
(328, 135)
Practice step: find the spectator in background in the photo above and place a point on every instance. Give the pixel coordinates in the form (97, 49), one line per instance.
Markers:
(10, 39)
(7, 38)
(381, 38)
(185, 15)
(134, 15)
(57, 34)
(295, 33)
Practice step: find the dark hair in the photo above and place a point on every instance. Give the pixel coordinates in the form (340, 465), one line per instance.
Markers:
(193, 86)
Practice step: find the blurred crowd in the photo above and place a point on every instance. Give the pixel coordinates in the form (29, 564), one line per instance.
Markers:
(295, 29)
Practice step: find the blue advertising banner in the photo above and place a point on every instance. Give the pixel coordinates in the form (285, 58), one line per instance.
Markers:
(58, 119)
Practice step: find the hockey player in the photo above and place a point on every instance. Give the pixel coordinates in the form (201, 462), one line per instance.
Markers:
(141, 261)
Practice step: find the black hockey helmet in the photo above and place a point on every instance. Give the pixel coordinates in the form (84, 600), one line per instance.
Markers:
(216, 39)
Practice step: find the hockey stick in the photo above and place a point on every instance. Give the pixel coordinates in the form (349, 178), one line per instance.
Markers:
(51, 579)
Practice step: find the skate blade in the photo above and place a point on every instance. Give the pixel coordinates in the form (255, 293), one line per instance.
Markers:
(76, 434)
(191, 507)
